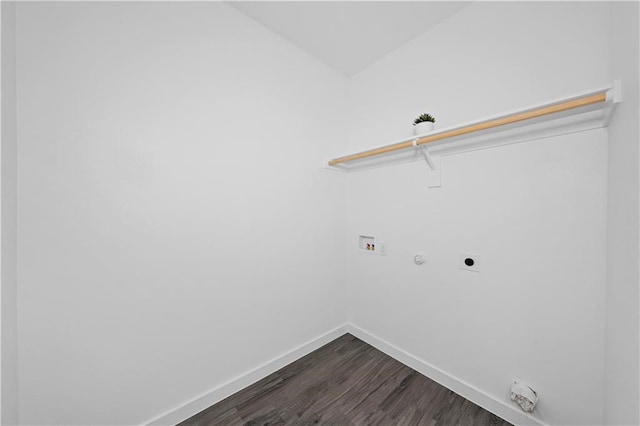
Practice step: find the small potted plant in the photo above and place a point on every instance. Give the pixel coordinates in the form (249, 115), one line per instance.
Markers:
(423, 124)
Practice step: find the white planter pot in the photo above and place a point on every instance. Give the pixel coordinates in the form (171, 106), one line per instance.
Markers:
(422, 128)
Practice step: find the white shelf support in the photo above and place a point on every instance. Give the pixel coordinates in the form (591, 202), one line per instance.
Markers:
(427, 157)
(614, 97)
(435, 167)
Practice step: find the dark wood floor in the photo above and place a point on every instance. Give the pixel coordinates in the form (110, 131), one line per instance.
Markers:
(346, 382)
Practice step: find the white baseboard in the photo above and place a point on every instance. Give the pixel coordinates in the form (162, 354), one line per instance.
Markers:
(183, 412)
(473, 394)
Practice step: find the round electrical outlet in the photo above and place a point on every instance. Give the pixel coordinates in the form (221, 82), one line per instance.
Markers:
(470, 262)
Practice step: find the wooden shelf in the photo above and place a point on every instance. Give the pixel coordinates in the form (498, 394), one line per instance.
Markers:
(585, 111)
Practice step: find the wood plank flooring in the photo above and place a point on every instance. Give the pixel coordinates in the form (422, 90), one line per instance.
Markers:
(346, 382)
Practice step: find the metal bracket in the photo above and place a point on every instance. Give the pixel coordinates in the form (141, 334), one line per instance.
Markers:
(435, 167)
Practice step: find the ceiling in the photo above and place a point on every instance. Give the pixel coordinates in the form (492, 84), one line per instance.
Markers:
(349, 35)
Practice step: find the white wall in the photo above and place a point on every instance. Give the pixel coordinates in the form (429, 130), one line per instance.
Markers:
(9, 354)
(535, 212)
(176, 228)
(166, 169)
(622, 397)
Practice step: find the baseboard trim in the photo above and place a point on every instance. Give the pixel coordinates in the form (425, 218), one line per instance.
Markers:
(217, 394)
(473, 394)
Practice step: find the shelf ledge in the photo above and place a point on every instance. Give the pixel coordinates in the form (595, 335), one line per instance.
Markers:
(585, 111)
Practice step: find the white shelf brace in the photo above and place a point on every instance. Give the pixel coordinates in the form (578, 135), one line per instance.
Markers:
(435, 165)
(614, 97)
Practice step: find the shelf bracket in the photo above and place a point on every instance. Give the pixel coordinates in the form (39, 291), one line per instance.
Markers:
(614, 97)
(435, 167)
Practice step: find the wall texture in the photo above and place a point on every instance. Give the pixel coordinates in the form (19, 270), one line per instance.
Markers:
(176, 229)
(534, 212)
(622, 397)
(9, 213)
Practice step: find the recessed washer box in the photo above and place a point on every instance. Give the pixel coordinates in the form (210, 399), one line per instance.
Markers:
(470, 262)
(367, 244)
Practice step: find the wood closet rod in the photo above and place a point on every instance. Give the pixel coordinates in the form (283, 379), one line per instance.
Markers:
(509, 119)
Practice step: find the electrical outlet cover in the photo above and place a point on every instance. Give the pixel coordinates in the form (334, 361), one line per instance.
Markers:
(470, 262)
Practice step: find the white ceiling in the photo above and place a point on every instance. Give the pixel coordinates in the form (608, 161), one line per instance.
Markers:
(348, 35)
